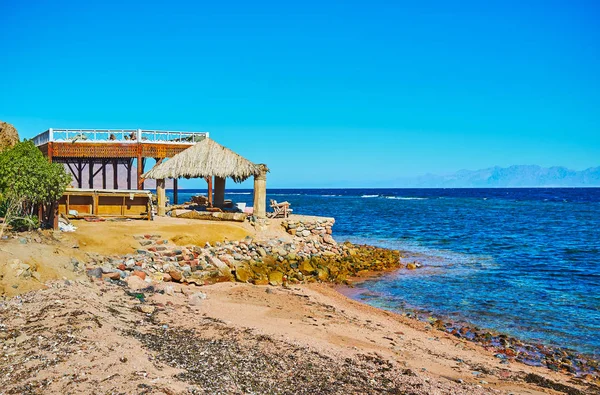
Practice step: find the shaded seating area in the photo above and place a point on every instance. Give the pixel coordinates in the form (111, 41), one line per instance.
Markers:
(211, 161)
(280, 210)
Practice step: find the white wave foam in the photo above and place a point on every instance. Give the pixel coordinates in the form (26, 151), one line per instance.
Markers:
(369, 196)
(238, 193)
(404, 198)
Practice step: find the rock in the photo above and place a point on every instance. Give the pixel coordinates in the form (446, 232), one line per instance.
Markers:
(94, 273)
(144, 243)
(197, 298)
(306, 233)
(111, 276)
(8, 136)
(329, 240)
(411, 266)
(176, 275)
(139, 274)
(306, 267)
(276, 278)
(136, 283)
(146, 309)
(242, 274)
(322, 274)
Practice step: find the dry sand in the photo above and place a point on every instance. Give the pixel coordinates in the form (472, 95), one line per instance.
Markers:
(101, 338)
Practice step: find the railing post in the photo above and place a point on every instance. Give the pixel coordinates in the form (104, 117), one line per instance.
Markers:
(139, 135)
(50, 134)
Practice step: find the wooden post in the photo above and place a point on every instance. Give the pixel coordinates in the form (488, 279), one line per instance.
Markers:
(260, 192)
(104, 174)
(80, 173)
(140, 168)
(129, 165)
(91, 172)
(210, 191)
(161, 197)
(175, 192)
(115, 174)
(219, 191)
(95, 203)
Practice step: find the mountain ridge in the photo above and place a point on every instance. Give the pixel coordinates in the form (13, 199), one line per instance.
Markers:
(506, 177)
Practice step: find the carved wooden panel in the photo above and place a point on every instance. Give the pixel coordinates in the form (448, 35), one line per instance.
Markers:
(113, 150)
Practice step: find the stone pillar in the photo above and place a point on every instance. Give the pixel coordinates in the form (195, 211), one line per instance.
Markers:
(219, 191)
(260, 191)
(161, 197)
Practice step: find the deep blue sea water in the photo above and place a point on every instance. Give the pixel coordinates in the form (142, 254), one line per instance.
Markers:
(525, 262)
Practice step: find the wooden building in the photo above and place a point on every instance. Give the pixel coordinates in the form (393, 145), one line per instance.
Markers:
(91, 154)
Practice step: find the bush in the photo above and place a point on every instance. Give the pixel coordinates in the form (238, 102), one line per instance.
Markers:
(28, 180)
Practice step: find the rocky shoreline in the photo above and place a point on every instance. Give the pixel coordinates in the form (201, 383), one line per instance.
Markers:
(276, 262)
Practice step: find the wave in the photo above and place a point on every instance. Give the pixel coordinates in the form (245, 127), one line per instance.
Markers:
(330, 195)
(369, 196)
(238, 193)
(404, 198)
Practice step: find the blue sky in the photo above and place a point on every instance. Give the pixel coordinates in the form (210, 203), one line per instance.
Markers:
(326, 93)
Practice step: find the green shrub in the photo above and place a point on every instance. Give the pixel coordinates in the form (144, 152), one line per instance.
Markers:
(28, 180)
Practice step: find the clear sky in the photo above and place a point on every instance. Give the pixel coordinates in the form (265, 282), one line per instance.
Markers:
(326, 93)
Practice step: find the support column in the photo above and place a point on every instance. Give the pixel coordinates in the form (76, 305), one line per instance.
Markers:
(129, 166)
(161, 197)
(115, 174)
(175, 192)
(91, 173)
(210, 191)
(219, 191)
(140, 168)
(260, 191)
(104, 174)
(80, 173)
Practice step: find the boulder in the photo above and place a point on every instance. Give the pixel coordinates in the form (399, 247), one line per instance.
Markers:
(242, 274)
(8, 136)
(275, 278)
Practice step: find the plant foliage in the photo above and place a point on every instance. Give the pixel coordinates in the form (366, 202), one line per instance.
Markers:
(28, 180)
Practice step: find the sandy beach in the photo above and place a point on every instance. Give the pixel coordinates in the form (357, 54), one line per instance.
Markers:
(65, 333)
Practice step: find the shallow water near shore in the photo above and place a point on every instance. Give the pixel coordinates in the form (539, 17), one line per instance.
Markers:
(525, 262)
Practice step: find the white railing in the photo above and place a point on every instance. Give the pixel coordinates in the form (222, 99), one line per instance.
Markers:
(118, 135)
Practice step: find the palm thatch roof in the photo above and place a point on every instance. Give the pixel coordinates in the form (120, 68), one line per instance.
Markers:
(205, 159)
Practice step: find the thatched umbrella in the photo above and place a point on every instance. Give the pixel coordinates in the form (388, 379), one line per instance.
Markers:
(207, 159)
(202, 160)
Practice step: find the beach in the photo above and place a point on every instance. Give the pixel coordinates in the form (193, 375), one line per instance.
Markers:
(86, 335)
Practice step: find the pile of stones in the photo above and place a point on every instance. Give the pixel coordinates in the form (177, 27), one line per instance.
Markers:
(310, 258)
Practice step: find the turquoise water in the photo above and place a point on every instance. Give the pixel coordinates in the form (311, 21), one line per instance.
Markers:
(525, 262)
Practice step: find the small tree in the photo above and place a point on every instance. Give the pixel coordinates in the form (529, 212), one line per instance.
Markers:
(28, 180)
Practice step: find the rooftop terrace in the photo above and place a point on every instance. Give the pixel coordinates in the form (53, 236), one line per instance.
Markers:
(118, 136)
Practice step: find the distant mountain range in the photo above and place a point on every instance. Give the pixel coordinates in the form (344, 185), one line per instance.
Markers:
(506, 177)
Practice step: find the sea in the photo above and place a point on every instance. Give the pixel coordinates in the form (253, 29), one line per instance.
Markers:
(524, 262)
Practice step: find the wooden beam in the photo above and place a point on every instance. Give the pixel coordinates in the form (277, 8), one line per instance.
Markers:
(129, 165)
(80, 173)
(104, 163)
(91, 173)
(175, 192)
(209, 192)
(73, 172)
(140, 168)
(115, 174)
